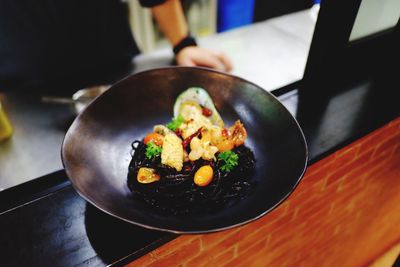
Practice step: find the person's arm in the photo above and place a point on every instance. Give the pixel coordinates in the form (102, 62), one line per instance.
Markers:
(169, 16)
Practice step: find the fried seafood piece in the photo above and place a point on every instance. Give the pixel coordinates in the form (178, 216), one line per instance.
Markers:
(172, 151)
(202, 148)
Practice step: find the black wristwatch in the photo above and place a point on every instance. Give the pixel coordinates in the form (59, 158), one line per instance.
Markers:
(185, 42)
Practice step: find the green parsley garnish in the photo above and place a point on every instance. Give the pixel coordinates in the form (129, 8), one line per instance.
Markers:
(152, 150)
(175, 123)
(229, 160)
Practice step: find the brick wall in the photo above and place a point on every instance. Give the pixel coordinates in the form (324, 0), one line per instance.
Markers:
(345, 212)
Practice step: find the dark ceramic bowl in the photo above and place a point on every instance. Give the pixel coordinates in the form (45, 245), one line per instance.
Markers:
(96, 149)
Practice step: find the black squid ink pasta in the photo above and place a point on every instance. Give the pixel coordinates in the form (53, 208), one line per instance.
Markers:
(176, 192)
(193, 164)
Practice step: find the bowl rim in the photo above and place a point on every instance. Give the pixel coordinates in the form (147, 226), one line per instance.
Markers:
(92, 202)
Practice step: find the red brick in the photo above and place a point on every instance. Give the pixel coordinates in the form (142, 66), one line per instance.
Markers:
(179, 255)
(312, 169)
(142, 261)
(395, 122)
(381, 174)
(321, 164)
(280, 258)
(226, 242)
(341, 172)
(275, 252)
(358, 172)
(173, 245)
(313, 211)
(200, 260)
(313, 225)
(286, 261)
(245, 237)
(392, 129)
(366, 169)
(318, 168)
(315, 182)
(307, 181)
(247, 259)
(209, 240)
(221, 258)
(352, 183)
(235, 238)
(268, 259)
(299, 260)
(335, 178)
(341, 205)
(387, 145)
(358, 211)
(310, 194)
(308, 200)
(345, 156)
(211, 258)
(282, 221)
(307, 235)
(279, 239)
(248, 242)
(279, 211)
(372, 140)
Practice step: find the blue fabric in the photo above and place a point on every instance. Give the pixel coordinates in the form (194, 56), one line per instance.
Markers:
(234, 13)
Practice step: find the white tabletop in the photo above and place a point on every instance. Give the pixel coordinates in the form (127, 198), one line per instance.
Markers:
(271, 54)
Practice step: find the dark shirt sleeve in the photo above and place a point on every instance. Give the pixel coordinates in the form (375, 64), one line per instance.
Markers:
(52, 42)
(151, 3)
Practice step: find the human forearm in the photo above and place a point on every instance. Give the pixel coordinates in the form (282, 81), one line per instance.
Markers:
(171, 20)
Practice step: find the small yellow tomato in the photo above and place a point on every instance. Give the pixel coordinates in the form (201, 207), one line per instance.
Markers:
(147, 175)
(204, 175)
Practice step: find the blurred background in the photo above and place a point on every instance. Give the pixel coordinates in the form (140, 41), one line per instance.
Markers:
(271, 43)
(208, 17)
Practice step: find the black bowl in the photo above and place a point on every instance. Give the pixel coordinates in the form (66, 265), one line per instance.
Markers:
(96, 149)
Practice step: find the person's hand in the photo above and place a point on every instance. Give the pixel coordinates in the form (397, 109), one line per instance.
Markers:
(197, 56)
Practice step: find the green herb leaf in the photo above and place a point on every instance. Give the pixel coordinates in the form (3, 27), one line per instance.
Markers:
(229, 160)
(152, 150)
(175, 123)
